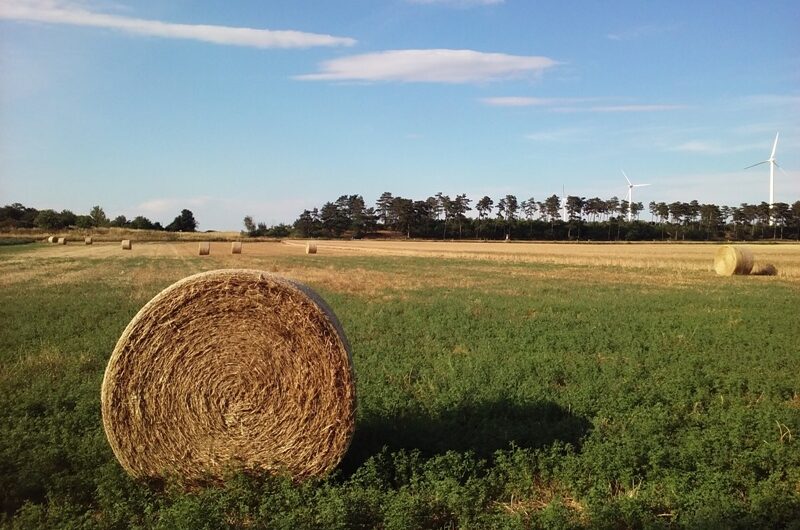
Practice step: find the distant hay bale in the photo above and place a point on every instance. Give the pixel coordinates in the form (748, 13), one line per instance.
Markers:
(126, 244)
(204, 249)
(311, 248)
(62, 241)
(767, 269)
(236, 247)
(52, 239)
(731, 260)
(230, 369)
(87, 240)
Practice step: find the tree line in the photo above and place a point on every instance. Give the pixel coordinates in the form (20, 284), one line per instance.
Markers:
(19, 216)
(554, 218)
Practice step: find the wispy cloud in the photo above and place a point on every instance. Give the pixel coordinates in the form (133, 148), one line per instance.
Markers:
(620, 108)
(431, 66)
(458, 3)
(71, 13)
(567, 134)
(711, 148)
(574, 104)
(772, 100)
(647, 30)
(521, 101)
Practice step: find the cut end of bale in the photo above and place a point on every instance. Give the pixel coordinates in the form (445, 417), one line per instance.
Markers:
(62, 241)
(311, 248)
(731, 260)
(236, 247)
(52, 239)
(126, 244)
(230, 369)
(87, 240)
(204, 248)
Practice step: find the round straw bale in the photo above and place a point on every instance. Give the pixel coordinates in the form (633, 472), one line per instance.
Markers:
(236, 247)
(62, 241)
(230, 369)
(204, 248)
(52, 239)
(731, 260)
(87, 240)
(767, 269)
(311, 248)
(126, 244)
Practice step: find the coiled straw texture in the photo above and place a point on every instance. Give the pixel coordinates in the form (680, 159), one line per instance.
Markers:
(230, 369)
(731, 260)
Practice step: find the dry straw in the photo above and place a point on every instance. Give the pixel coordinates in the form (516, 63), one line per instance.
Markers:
(731, 260)
(62, 241)
(236, 247)
(204, 248)
(311, 248)
(87, 240)
(230, 369)
(126, 244)
(52, 239)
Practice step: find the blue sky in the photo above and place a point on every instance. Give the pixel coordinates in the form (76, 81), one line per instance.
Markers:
(267, 108)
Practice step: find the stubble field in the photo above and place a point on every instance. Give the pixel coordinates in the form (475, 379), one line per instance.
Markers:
(499, 385)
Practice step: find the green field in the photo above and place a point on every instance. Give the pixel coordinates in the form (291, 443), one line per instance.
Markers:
(491, 395)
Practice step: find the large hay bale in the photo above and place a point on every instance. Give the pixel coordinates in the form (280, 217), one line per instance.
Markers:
(311, 248)
(87, 240)
(236, 247)
(52, 239)
(62, 241)
(204, 248)
(230, 369)
(126, 244)
(731, 260)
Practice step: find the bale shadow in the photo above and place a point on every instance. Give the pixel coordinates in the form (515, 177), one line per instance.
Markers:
(481, 428)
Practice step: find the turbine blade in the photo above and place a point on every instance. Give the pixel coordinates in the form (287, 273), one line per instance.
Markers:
(626, 177)
(754, 165)
(782, 170)
(775, 145)
(639, 185)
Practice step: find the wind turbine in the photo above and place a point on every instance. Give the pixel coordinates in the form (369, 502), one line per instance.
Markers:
(772, 163)
(630, 194)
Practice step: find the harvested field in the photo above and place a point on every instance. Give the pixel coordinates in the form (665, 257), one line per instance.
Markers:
(498, 385)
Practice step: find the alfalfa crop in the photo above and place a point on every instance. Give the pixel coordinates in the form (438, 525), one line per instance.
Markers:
(230, 369)
(731, 260)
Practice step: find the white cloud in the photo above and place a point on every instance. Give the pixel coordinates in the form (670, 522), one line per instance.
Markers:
(71, 13)
(431, 66)
(458, 3)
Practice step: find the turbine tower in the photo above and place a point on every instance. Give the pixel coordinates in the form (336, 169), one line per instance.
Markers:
(772, 163)
(630, 194)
